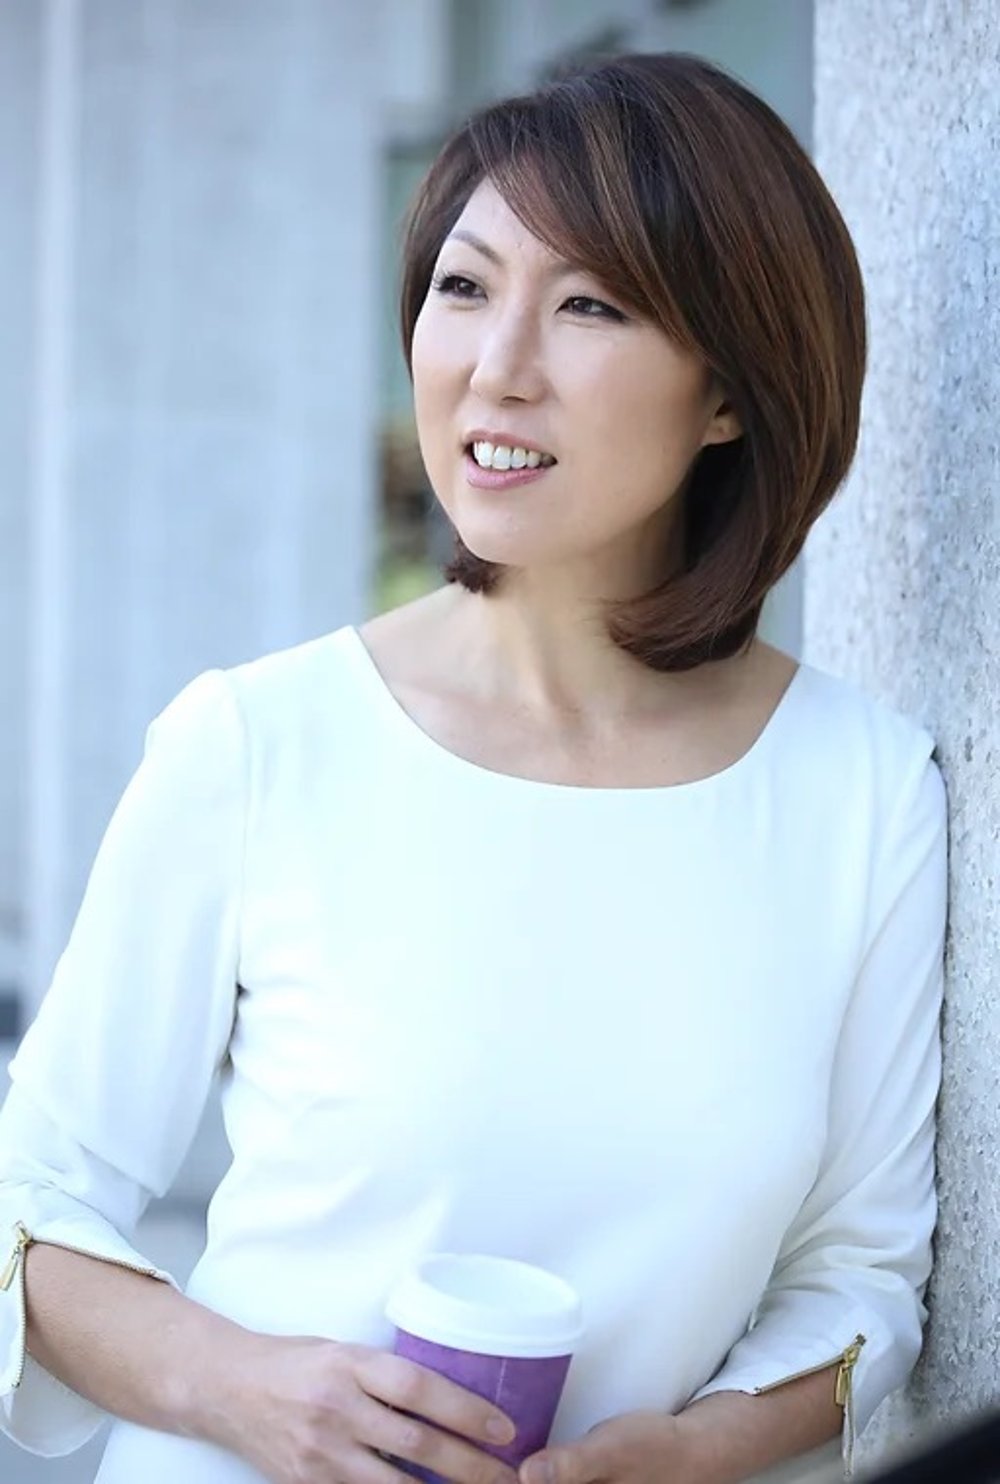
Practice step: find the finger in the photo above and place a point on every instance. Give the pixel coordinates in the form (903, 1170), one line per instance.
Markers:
(360, 1466)
(579, 1464)
(415, 1440)
(414, 1388)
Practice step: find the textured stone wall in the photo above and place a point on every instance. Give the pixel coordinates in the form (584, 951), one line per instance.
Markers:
(903, 574)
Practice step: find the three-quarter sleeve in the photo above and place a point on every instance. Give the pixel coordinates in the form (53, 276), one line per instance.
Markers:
(110, 1081)
(850, 1276)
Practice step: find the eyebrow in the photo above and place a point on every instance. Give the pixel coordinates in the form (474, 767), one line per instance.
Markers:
(560, 269)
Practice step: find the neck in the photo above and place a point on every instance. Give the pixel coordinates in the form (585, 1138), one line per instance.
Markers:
(537, 650)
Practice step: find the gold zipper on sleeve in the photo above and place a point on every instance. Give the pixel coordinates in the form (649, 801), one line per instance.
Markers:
(843, 1390)
(844, 1396)
(21, 1244)
(14, 1268)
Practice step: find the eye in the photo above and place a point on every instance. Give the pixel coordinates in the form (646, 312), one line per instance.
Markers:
(455, 286)
(588, 308)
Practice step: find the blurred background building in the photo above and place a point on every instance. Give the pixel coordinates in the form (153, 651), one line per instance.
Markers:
(206, 439)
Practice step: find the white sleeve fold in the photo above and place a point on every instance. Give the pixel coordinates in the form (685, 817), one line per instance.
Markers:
(110, 1081)
(856, 1260)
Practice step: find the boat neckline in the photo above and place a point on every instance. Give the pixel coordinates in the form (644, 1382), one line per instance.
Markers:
(408, 726)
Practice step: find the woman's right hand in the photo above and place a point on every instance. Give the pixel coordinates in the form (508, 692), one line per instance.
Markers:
(313, 1411)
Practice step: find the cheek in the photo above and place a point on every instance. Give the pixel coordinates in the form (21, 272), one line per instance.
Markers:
(654, 420)
(436, 373)
(437, 394)
(437, 349)
(421, 359)
(426, 384)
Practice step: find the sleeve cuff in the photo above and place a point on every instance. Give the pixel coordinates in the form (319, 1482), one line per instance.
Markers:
(769, 1356)
(37, 1411)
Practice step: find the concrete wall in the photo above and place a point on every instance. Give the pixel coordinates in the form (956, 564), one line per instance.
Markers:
(903, 574)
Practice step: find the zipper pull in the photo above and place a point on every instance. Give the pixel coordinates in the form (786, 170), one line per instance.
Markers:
(848, 1361)
(21, 1245)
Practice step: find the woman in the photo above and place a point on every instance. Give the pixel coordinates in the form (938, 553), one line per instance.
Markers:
(553, 915)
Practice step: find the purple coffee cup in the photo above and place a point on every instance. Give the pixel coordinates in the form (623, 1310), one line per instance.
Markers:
(503, 1329)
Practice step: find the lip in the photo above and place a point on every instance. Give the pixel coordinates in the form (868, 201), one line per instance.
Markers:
(511, 440)
(501, 479)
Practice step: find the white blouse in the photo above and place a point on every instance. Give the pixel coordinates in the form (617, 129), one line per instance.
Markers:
(678, 1044)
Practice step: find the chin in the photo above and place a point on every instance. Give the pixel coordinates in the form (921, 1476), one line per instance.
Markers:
(507, 550)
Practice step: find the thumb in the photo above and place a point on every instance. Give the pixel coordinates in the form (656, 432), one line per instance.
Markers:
(578, 1464)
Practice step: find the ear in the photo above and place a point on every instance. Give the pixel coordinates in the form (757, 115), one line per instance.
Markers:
(724, 426)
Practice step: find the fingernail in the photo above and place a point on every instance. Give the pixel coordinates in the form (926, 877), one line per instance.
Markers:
(500, 1430)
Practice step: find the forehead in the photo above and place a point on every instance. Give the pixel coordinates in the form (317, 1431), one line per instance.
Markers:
(487, 216)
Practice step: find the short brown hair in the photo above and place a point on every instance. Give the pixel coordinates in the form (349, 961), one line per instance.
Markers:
(692, 201)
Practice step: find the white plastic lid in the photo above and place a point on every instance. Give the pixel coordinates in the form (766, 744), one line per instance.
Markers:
(489, 1305)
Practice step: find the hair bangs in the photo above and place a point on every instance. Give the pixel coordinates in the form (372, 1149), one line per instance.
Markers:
(562, 177)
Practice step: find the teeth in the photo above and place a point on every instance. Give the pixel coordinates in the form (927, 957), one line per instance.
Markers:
(502, 456)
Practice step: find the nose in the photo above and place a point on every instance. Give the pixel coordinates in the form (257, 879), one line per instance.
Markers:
(508, 364)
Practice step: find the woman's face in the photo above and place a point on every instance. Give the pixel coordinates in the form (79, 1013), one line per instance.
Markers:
(513, 341)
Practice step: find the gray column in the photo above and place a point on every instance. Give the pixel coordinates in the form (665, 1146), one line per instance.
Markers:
(20, 65)
(208, 313)
(903, 574)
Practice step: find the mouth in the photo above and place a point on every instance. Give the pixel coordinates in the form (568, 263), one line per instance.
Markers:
(506, 456)
(489, 466)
